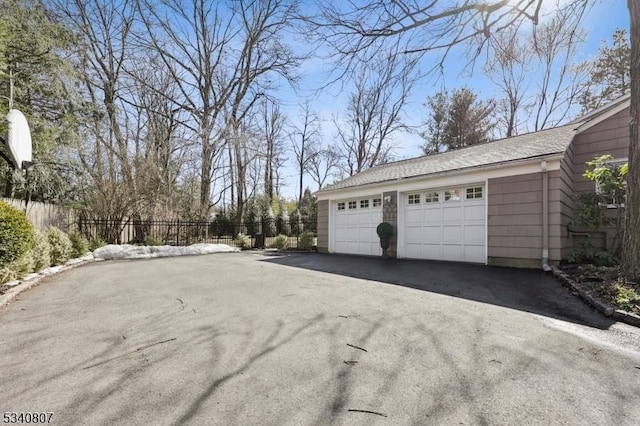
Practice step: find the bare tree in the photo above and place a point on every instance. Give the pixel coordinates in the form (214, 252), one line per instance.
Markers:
(273, 132)
(104, 35)
(304, 141)
(509, 69)
(323, 165)
(223, 55)
(374, 112)
(554, 44)
(359, 31)
(534, 71)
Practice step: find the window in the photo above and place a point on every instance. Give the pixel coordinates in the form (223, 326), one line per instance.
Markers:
(431, 197)
(353, 205)
(474, 193)
(364, 204)
(611, 194)
(452, 194)
(414, 199)
(340, 206)
(377, 202)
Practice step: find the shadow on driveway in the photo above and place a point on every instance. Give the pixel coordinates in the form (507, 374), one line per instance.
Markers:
(522, 289)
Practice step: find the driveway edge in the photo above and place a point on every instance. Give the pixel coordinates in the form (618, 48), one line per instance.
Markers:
(604, 308)
(34, 279)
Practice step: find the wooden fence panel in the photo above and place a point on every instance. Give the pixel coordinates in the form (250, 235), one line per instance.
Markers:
(42, 215)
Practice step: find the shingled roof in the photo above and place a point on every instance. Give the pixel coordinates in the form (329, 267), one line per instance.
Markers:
(530, 145)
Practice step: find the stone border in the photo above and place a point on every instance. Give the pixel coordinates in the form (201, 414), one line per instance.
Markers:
(605, 308)
(32, 280)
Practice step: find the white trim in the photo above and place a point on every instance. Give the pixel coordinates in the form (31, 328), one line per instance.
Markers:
(333, 206)
(603, 116)
(400, 200)
(329, 227)
(486, 223)
(456, 178)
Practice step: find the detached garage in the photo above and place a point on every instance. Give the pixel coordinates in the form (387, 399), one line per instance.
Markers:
(506, 202)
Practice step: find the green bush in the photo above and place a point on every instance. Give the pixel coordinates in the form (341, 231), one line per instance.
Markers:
(586, 253)
(17, 235)
(154, 241)
(96, 243)
(243, 241)
(17, 269)
(281, 242)
(59, 245)
(41, 252)
(305, 241)
(79, 244)
(7, 274)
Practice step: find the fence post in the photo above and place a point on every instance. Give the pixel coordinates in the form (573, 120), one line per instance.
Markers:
(178, 233)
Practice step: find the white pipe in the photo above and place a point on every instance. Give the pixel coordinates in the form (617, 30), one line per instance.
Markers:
(545, 217)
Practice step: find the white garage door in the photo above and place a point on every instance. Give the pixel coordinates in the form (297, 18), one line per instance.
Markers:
(354, 226)
(445, 224)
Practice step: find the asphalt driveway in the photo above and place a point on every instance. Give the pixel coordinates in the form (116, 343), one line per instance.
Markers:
(308, 339)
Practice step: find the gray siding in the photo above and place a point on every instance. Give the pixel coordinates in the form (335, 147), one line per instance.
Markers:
(515, 219)
(323, 226)
(609, 137)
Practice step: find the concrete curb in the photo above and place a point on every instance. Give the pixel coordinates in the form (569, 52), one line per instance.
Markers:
(32, 280)
(606, 309)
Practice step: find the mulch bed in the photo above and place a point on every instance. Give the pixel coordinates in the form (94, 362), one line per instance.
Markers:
(606, 284)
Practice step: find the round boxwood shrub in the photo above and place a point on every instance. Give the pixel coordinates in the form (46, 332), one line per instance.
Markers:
(17, 235)
(41, 252)
(385, 230)
(305, 241)
(243, 241)
(281, 242)
(79, 244)
(60, 245)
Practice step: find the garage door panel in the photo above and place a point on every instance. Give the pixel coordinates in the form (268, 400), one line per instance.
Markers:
(413, 216)
(452, 252)
(452, 214)
(432, 214)
(474, 213)
(414, 250)
(474, 253)
(445, 230)
(474, 233)
(431, 251)
(341, 220)
(452, 233)
(432, 234)
(354, 230)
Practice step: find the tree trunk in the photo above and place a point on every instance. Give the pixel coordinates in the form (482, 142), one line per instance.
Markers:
(205, 179)
(631, 242)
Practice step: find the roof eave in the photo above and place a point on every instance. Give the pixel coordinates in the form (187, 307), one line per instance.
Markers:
(551, 156)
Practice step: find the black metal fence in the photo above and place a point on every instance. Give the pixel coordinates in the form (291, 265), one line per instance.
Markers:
(184, 232)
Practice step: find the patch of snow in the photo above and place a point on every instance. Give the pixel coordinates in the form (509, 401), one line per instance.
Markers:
(126, 251)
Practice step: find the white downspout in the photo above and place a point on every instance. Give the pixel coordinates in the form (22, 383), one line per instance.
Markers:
(545, 217)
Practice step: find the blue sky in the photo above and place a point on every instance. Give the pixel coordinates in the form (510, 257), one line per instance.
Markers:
(600, 22)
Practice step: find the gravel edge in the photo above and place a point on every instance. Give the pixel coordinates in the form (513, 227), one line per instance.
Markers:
(588, 296)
